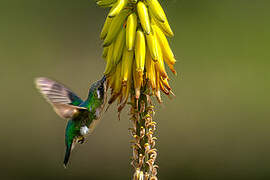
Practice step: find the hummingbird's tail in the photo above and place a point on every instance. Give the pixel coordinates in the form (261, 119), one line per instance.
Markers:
(67, 155)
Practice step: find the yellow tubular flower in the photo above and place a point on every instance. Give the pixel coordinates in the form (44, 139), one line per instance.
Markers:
(166, 28)
(127, 63)
(118, 84)
(127, 91)
(105, 52)
(160, 63)
(131, 31)
(115, 27)
(144, 17)
(137, 80)
(105, 28)
(157, 90)
(111, 81)
(165, 47)
(140, 51)
(119, 46)
(157, 10)
(164, 90)
(150, 70)
(121, 4)
(152, 45)
(166, 83)
(109, 59)
(106, 3)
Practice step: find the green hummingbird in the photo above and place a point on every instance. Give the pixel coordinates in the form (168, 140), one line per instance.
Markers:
(82, 116)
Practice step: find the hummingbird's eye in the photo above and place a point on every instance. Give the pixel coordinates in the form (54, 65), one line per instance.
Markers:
(101, 88)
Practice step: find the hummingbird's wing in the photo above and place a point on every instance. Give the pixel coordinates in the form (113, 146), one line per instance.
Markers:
(63, 100)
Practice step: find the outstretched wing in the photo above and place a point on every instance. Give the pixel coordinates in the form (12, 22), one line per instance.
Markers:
(63, 100)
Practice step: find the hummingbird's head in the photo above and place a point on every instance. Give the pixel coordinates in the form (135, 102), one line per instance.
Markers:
(98, 90)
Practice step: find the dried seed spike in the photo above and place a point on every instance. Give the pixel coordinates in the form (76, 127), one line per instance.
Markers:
(133, 164)
(141, 160)
(147, 147)
(137, 138)
(141, 176)
(142, 132)
(149, 135)
(154, 172)
(146, 176)
(150, 163)
(136, 174)
(152, 151)
(153, 156)
(153, 143)
(138, 146)
(153, 178)
(144, 127)
(132, 131)
(142, 109)
(135, 153)
(149, 124)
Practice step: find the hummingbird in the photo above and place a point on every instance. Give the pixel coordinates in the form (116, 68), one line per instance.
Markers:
(82, 116)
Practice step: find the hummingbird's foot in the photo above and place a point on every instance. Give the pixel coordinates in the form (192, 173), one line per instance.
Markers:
(81, 140)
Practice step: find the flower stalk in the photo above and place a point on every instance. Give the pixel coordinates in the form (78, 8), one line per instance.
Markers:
(143, 143)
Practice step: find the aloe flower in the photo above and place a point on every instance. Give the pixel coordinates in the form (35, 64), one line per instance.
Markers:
(136, 51)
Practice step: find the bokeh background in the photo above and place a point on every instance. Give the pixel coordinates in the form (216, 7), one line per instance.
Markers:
(217, 127)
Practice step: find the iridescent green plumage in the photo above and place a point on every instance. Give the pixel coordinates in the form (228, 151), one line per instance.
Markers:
(83, 115)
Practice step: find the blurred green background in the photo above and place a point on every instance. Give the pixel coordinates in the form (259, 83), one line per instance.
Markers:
(216, 128)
